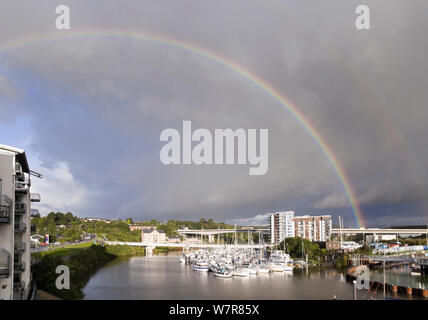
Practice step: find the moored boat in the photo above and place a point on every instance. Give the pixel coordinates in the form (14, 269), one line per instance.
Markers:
(201, 266)
(241, 272)
(222, 273)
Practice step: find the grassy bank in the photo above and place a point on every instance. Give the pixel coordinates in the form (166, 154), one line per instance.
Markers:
(121, 251)
(63, 251)
(82, 260)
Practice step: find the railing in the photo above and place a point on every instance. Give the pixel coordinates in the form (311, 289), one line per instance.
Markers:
(5, 201)
(20, 226)
(19, 266)
(21, 186)
(27, 180)
(20, 207)
(19, 286)
(35, 197)
(397, 257)
(422, 261)
(5, 208)
(20, 246)
(34, 213)
(4, 214)
(4, 263)
(18, 168)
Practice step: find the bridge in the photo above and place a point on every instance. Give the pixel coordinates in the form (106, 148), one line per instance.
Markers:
(150, 245)
(211, 232)
(377, 231)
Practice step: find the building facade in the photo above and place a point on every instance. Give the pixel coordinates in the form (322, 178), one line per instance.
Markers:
(15, 223)
(313, 228)
(153, 236)
(281, 226)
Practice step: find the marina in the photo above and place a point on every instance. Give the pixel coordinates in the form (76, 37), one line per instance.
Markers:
(237, 262)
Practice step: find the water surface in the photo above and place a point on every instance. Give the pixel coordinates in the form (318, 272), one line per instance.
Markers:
(164, 277)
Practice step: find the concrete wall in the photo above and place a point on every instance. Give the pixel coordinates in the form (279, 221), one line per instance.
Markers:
(7, 161)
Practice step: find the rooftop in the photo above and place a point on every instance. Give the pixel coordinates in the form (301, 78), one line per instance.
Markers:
(151, 230)
(20, 156)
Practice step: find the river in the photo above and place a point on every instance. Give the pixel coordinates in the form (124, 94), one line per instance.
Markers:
(163, 277)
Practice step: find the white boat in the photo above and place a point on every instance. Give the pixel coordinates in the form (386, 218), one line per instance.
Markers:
(253, 271)
(279, 261)
(222, 273)
(281, 268)
(201, 266)
(288, 269)
(241, 272)
(263, 270)
(276, 268)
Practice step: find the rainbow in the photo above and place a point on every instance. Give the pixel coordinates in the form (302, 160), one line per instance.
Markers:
(223, 61)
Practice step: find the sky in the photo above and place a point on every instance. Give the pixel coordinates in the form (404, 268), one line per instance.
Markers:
(89, 109)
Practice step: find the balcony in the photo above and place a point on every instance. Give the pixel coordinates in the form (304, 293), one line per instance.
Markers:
(19, 286)
(19, 266)
(5, 262)
(27, 181)
(5, 208)
(35, 213)
(20, 246)
(20, 208)
(21, 187)
(35, 197)
(20, 226)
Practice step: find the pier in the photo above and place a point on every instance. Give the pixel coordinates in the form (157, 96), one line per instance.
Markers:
(395, 282)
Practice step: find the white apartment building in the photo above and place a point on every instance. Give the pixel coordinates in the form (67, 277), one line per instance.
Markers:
(153, 236)
(313, 228)
(281, 226)
(15, 223)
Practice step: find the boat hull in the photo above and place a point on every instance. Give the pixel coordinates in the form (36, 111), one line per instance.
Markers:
(223, 275)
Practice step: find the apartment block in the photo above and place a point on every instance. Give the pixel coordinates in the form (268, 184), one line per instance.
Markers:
(15, 223)
(281, 226)
(313, 228)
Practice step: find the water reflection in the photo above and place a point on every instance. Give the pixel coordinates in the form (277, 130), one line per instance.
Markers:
(164, 277)
(400, 276)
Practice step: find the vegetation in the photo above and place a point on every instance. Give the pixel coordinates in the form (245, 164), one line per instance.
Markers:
(423, 226)
(63, 251)
(82, 265)
(68, 228)
(65, 227)
(171, 227)
(120, 251)
(298, 248)
(113, 231)
(83, 261)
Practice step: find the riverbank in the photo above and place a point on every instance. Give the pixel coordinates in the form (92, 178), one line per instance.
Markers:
(83, 262)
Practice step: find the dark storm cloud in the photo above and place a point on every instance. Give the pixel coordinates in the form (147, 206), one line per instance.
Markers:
(98, 105)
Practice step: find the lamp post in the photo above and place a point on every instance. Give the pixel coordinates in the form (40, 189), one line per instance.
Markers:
(355, 289)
